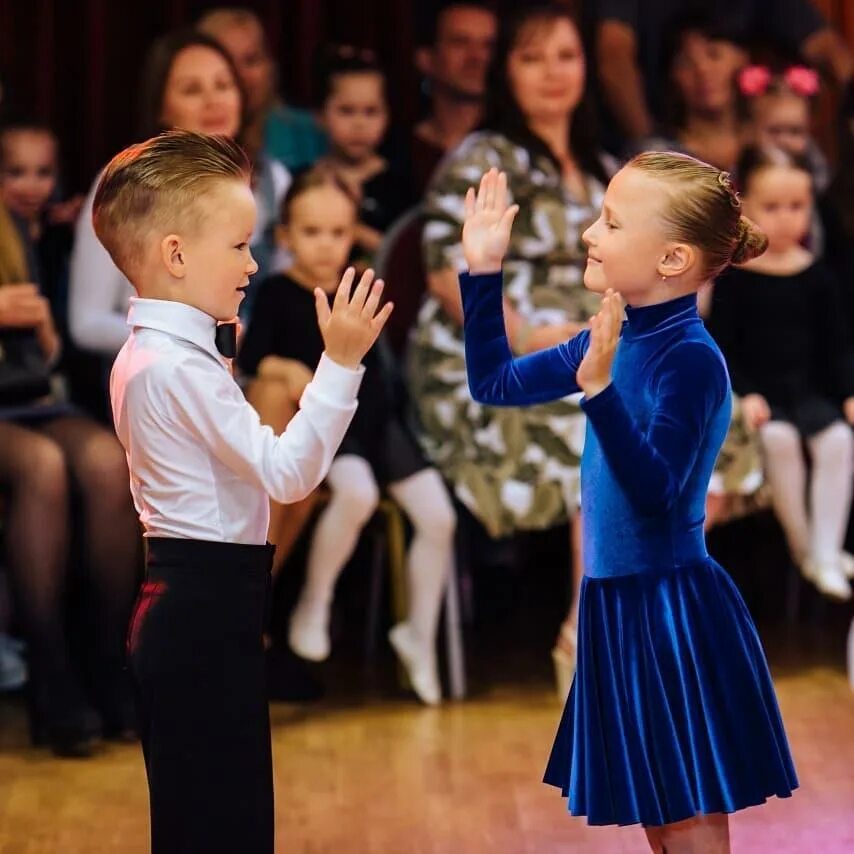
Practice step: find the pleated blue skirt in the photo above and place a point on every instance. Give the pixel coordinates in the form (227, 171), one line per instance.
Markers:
(672, 712)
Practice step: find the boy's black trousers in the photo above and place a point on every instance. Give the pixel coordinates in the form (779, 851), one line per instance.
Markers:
(197, 660)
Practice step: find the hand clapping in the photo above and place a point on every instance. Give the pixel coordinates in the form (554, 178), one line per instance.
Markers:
(352, 325)
(594, 372)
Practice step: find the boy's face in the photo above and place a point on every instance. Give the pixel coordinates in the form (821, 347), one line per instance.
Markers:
(27, 171)
(320, 234)
(355, 115)
(214, 258)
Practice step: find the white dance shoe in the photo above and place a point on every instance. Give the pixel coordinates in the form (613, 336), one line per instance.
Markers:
(308, 632)
(828, 577)
(419, 662)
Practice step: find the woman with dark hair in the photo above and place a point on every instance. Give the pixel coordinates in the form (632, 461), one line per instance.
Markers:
(188, 82)
(703, 63)
(516, 469)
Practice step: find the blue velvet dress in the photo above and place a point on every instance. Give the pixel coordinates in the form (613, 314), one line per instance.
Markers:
(672, 712)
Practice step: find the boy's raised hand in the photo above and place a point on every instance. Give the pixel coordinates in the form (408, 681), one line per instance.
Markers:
(351, 326)
(489, 219)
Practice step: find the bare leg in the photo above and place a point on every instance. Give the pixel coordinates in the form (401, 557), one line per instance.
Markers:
(276, 404)
(704, 834)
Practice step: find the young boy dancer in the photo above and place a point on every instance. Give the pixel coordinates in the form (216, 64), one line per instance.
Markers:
(176, 214)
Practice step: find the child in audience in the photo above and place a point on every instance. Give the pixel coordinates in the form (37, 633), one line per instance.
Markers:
(780, 323)
(776, 108)
(354, 114)
(29, 169)
(319, 226)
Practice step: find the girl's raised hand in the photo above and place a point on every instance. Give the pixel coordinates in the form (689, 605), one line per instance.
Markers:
(489, 219)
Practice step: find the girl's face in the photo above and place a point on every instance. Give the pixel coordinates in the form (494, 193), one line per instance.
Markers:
(27, 171)
(779, 200)
(782, 120)
(320, 233)
(201, 94)
(704, 72)
(546, 70)
(355, 115)
(628, 243)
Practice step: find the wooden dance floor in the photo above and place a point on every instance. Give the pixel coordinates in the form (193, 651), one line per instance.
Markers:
(389, 777)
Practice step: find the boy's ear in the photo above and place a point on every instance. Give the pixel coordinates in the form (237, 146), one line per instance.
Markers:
(172, 255)
(282, 236)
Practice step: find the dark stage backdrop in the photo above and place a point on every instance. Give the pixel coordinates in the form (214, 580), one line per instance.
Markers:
(75, 63)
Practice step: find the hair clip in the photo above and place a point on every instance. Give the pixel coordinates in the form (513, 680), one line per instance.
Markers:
(753, 80)
(801, 80)
(726, 182)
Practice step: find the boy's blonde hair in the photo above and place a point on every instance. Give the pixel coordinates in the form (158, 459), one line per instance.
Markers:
(704, 210)
(156, 185)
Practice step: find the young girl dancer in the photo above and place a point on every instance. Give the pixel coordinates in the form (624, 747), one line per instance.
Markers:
(671, 721)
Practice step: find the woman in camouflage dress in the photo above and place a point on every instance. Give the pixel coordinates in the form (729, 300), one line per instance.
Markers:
(515, 469)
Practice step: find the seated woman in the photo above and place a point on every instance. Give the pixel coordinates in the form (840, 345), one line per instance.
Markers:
(61, 473)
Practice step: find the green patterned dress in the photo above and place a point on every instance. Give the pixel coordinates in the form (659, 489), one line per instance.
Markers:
(515, 469)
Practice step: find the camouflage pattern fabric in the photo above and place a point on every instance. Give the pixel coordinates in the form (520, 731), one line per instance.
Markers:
(515, 469)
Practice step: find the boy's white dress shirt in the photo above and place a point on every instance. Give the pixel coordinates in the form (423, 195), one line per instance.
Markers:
(201, 464)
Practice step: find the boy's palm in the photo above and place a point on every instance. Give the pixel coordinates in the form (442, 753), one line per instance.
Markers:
(352, 325)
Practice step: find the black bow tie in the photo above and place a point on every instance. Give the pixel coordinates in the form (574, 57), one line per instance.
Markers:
(225, 339)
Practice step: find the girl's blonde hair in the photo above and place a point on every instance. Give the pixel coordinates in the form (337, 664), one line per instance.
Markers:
(704, 209)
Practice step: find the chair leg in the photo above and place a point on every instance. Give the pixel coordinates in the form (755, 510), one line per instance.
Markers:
(793, 595)
(375, 595)
(465, 591)
(454, 637)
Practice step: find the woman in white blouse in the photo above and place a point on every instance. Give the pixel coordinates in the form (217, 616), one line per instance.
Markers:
(188, 82)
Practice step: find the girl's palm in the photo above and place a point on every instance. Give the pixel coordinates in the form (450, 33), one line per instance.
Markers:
(488, 221)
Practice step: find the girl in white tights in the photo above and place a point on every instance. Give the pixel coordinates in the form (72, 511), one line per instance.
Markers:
(281, 347)
(780, 323)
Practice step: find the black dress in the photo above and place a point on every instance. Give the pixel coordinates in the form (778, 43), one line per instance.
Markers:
(786, 338)
(284, 324)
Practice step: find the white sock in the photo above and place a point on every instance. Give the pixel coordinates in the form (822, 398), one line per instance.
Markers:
(785, 469)
(830, 490)
(354, 500)
(425, 501)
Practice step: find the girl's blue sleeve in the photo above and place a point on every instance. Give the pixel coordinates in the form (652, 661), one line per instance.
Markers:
(495, 376)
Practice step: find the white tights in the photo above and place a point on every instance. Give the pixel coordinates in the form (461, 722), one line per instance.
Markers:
(816, 527)
(355, 496)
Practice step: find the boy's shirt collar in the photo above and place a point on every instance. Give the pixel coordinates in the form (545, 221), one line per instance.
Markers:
(177, 319)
